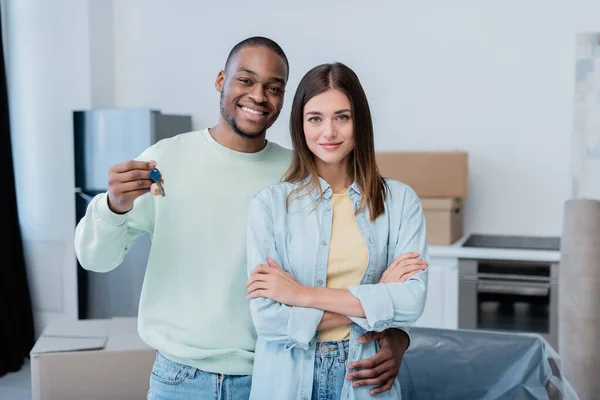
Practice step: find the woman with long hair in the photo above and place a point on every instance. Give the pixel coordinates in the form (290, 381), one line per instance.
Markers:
(334, 250)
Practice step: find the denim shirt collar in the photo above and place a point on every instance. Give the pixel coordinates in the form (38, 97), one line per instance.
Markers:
(353, 191)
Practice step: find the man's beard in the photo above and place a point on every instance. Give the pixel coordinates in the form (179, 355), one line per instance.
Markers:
(231, 121)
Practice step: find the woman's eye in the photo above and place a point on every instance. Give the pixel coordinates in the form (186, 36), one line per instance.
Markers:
(343, 118)
(314, 120)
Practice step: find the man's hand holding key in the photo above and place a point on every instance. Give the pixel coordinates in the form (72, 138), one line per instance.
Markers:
(128, 181)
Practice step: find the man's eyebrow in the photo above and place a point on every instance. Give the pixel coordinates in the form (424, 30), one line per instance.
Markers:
(249, 71)
(270, 79)
(277, 79)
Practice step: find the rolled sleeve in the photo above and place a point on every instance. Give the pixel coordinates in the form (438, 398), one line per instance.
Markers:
(391, 305)
(302, 326)
(377, 305)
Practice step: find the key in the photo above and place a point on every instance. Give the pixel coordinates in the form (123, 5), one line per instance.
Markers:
(155, 176)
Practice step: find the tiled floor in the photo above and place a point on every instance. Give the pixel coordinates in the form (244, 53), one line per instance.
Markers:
(16, 385)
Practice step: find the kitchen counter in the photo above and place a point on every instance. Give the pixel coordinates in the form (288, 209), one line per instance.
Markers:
(456, 250)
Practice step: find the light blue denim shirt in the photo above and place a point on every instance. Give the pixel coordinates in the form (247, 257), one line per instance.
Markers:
(298, 239)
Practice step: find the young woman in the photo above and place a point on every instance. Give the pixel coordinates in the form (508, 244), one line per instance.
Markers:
(323, 249)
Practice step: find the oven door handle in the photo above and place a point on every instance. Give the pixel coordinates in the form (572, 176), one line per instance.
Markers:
(513, 277)
(513, 287)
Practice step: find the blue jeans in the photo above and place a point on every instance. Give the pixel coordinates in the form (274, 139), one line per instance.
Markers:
(173, 381)
(331, 366)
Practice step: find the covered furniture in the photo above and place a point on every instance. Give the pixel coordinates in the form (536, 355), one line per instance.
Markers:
(481, 365)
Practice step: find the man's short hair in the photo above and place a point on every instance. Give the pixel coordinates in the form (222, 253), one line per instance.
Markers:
(258, 41)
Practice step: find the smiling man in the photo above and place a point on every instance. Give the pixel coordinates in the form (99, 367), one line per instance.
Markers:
(193, 307)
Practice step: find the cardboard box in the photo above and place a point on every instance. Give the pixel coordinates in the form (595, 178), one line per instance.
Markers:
(430, 174)
(91, 359)
(443, 219)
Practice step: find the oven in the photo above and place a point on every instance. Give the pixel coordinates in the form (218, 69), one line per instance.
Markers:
(510, 296)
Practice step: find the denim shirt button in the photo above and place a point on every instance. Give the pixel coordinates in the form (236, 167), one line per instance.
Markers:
(305, 398)
(323, 243)
(308, 357)
(327, 208)
(319, 282)
(371, 239)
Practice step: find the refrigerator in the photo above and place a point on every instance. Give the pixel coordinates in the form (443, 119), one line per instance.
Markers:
(103, 138)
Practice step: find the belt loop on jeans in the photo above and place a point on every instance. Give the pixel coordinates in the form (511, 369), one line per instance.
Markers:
(342, 351)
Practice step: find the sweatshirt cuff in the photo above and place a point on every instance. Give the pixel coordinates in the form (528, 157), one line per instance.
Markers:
(106, 214)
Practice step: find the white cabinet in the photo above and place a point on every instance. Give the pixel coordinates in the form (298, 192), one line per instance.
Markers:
(441, 308)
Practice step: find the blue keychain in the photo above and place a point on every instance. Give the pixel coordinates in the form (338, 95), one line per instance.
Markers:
(155, 176)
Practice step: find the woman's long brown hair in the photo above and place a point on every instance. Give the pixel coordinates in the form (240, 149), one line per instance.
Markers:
(361, 163)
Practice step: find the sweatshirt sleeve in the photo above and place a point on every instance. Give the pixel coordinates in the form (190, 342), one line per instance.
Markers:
(103, 238)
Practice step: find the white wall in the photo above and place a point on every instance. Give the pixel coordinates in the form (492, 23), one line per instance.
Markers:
(49, 47)
(493, 78)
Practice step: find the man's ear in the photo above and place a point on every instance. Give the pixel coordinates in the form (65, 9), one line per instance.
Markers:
(220, 81)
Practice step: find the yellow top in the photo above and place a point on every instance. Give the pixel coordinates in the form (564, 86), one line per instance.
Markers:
(348, 256)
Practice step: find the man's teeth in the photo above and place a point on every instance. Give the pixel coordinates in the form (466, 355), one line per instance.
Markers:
(251, 111)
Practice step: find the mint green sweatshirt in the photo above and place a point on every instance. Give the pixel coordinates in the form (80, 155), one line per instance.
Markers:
(193, 306)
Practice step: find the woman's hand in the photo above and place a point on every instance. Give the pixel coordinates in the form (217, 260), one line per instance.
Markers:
(403, 267)
(272, 282)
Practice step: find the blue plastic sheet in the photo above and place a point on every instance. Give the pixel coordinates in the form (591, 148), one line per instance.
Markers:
(464, 365)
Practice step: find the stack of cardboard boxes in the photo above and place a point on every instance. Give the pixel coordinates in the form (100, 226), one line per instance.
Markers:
(440, 179)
